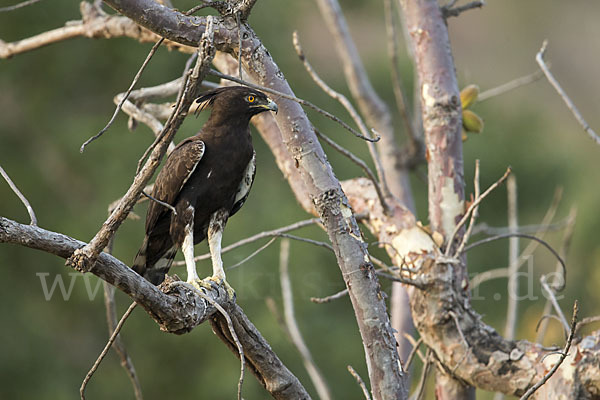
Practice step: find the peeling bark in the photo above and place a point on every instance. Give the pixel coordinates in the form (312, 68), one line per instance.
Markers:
(486, 361)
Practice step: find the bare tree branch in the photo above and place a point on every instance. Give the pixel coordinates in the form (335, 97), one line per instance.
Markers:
(292, 326)
(566, 243)
(420, 391)
(15, 189)
(335, 296)
(511, 85)
(176, 310)
(474, 212)
(552, 298)
(513, 259)
(348, 106)
(441, 111)
(415, 150)
(472, 209)
(109, 344)
(557, 286)
(360, 382)
(519, 361)
(563, 355)
(19, 5)
(111, 317)
(449, 11)
(361, 164)
(93, 24)
(123, 98)
(586, 127)
(374, 109)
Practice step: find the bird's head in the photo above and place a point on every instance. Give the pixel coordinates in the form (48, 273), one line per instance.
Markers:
(235, 101)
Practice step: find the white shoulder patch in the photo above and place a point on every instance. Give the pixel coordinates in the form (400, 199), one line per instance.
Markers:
(246, 182)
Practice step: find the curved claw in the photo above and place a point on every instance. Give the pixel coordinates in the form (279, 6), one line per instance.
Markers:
(214, 283)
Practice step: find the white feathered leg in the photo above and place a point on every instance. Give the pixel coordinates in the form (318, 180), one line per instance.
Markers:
(215, 234)
(188, 253)
(214, 245)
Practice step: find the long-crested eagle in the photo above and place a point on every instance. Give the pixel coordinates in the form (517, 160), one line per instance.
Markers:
(206, 178)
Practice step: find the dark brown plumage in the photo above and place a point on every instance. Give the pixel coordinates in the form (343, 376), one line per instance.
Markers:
(206, 178)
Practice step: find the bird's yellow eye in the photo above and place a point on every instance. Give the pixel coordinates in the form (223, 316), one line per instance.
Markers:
(250, 99)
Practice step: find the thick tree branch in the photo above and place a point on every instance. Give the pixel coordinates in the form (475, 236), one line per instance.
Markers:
(441, 111)
(93, 24)
(177, 310)
(489, 362)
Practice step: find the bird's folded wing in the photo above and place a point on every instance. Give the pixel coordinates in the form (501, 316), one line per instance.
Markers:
(178, 168)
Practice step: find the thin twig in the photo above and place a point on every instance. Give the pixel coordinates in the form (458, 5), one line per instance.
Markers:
(178, 105)
(239, 26)
(137, 114)
(126, 362)
(513, 260)
(566, 242)
(361, 164)
(162, 203)
(554, 302)
(548, 217)
(297, 100)
(133, 83)
(563, 355)
(449, 11)
(360, 382)
(415, 343)
(253, 254)
(557, 287)
(420, 392)
(471, 208)
(538, 230)
(234, 336)
(111, 340)
(511, 85)
(483, 228)
(398, 87)
(554, 317)
(475, 212)
(335, 296)
(292, 326)
(464, 340)
(258, 236)
(396, 278)
(111, 320)
(586, 321)
(412, 353)
(349, 107)
(18, 5)
(540, 60)
(488, 276)
(15, 189)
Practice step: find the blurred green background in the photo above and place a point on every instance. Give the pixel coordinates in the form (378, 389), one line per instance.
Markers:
(54, 98)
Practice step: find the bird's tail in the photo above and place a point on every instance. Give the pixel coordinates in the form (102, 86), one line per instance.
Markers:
(151, 268)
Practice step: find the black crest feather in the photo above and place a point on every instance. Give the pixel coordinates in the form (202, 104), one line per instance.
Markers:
(207, 99)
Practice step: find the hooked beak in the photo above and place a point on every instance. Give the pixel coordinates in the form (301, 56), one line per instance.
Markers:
(272, 106)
